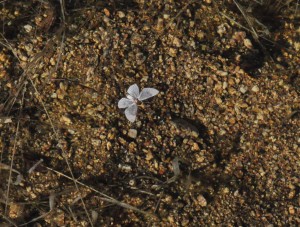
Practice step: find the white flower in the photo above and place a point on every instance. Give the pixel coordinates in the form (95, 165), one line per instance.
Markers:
(133, 96)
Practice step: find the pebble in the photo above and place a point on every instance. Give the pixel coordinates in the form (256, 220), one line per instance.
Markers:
(15, 210)
(54, 95)
(166, 16)
(125, 168)
(221, 30)
(195, 147)
(218, 100)
(291, 210)
(255, 88)
(121, 14)
(160, 24)
(177, 42)
(172, 52)
(108, 146)
(222, 73)
(243, 89)
(201, 200)
(66, 120)
(149, 155)
(132, 133)
(28, 28)
(248, 43)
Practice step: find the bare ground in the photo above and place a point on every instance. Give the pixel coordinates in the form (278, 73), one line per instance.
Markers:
(219, 145)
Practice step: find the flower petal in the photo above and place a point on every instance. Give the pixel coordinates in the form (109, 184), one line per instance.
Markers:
(133, 91)
(130, 112)
(147, 93)
(124, 103)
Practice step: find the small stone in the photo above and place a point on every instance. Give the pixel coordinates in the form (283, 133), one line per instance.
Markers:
(201, 200)
(232, 121)
(125, 168)
(177, 42)
(199, 159)
(172, 52)
(195, 147)
(260, 116)
(100, 107)
(132, 133)
(52, 61)
(15, 210)
(66, 120)
(7, 120)
(291, 210)
(136, 39)
(231, 91)
(236, 193)
(108, 146)
(132, 147)
(255, 88)
(248, 44)
(222, 73)
(226, 190)
(111, 135)
(292, 194)
(23, 58)
(222, 132)
(185, 222)
(166, 16)
(171, 219)
(200, 35)
(132, 182)
(243, 89)
(160, 24)
(218, 87)
(106, 12)
(121, 14)
(149, 155)
(54, 95)
(28, 28)
(221, 30)
(218, 100)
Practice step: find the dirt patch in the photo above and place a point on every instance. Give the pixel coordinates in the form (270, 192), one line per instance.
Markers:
(219, 144)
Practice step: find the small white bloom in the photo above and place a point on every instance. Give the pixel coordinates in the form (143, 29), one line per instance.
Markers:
(133, 96)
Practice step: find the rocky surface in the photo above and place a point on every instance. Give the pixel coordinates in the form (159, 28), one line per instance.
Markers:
(227, 111)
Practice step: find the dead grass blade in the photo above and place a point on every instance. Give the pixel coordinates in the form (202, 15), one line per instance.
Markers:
(36, 219)
(104, 197)
(26, 76)
(179, 13)
(64, 154)
(34, 166)
(13, 153)
(260, 36)
(8, 220)
(251, 26)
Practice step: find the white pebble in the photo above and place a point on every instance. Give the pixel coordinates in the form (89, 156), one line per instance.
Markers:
(255, 88)
(243, 89)
(132, 133)
(28, 28)
(121, 14)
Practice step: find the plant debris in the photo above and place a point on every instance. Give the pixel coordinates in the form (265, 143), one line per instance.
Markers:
(219, 145)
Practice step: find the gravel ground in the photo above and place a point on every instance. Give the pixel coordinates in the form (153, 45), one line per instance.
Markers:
(219, 144)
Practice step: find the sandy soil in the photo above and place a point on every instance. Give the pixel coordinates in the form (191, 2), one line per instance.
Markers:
(219, 144)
